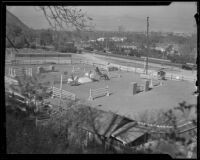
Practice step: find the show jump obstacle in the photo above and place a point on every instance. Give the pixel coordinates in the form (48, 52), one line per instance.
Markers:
(140, 88)
(63, 94)
(95, 93)
(13, 72)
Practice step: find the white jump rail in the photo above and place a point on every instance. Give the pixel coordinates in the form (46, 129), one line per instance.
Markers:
(95, 93)
(11, 80)
(64, 94)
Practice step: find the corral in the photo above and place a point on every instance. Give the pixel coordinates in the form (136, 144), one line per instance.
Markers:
(121, 99)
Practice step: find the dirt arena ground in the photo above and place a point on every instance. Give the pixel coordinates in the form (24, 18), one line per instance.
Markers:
(121, 100)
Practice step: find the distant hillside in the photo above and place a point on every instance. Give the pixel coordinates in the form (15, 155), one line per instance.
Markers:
(12, 20)
(19, 33)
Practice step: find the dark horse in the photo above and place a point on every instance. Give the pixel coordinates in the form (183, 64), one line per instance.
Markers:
(102, 75)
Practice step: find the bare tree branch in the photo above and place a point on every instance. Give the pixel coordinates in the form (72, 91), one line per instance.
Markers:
(65, 17)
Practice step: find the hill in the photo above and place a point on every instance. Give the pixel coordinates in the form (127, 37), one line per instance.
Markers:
(12, 20)
(18, 32)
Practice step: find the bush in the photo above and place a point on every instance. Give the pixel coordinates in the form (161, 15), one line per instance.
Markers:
(33, 46)
(19, 42)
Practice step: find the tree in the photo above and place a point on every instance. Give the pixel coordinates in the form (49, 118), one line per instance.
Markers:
(60, 17)
(170, 118)
(46, 38)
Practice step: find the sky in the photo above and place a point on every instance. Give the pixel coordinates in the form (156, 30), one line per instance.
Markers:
(178, 17)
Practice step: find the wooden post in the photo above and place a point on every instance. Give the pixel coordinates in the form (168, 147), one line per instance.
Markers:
(151, 83)
(146, 86)
(171, 76)
(9, 71)
(90, 96)
(107, 94)
(14, 73)
(134, 87)
(31, 74)
(60, 86)
(52, 91)
(36, 121)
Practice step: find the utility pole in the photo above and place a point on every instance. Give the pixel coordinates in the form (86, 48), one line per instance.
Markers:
(146, 67)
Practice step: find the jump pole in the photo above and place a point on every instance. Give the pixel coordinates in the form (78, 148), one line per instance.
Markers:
(90, 97)
(151, 83)
(60, 88)
(107, 94)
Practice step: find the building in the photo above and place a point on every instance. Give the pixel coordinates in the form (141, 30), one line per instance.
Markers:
(113, 128)
(101, 39)
(118, 39)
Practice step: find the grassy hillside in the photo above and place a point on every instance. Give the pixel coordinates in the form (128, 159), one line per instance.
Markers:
(18, 32)
(12, 20)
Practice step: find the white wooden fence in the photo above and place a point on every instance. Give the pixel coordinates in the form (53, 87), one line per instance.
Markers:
(35, 62)
(11, 80)
(17, 71)
(169, 76)
(63, 94)
(95, 93)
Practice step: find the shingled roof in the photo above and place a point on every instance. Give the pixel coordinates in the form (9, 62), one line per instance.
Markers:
(109, 124)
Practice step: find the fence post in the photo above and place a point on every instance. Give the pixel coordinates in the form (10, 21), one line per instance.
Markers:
(9, 71)
(36, 121)
(31, 72)
(146, 86)
(107, 94)
(134, 87)
(151, 83)
(61, 86)
(52, 91)
(171, 76)
(90, 96)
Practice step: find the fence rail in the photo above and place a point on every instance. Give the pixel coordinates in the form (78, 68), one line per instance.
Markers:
(37, 62)
(94, 93)
(141, 71)
(63, 94)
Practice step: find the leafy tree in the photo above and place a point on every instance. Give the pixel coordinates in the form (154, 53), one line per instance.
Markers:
(46, 37)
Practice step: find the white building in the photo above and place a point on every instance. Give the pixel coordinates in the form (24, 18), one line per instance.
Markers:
(101, 39)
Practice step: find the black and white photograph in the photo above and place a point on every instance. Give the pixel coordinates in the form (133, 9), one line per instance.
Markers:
(101, 79)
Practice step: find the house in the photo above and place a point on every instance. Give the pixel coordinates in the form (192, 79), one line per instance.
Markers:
(127, 46)
(113, 129)
(118, 39)
(160, 49)
(101, 39)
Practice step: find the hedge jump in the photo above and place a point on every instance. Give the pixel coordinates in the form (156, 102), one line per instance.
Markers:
(95, 93)
(63, 94)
